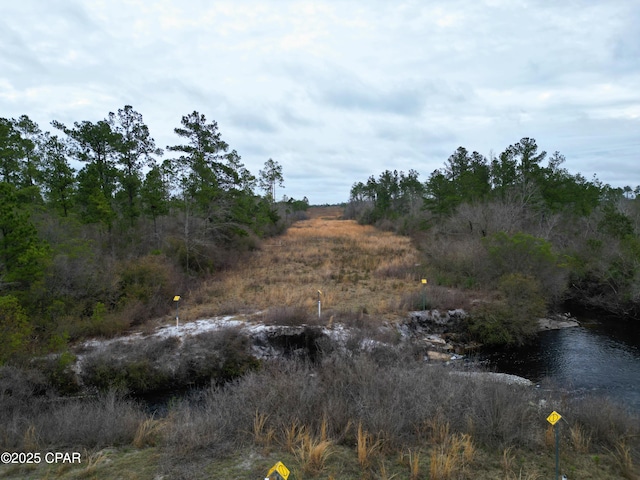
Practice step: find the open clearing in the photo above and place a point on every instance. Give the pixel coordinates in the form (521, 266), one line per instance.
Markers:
(358, 269)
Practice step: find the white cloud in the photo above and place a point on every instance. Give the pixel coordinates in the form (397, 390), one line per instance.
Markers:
(337, 90)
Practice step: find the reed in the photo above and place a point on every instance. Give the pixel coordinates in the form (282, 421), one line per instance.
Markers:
(624, 460)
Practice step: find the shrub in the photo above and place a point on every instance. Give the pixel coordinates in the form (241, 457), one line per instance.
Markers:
(14, 328)
(511, 319)
(108, 419)
(58, 370)
(131, 367)
(144, 286)
(489, 324)
(286, 316)
(218, 357)
(159, 364)
(137, 376)
(529, 256)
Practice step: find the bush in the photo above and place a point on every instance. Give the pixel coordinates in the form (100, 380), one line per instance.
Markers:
(399, 398)
(160, 364)
(136, 376)
(59, 373)
(145, 284)
(131, 367)
(529, 256)
(217, 357)
(286, 316)
(512, 318)
(14, 328)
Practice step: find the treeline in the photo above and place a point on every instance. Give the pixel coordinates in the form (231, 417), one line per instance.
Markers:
(95, 249)
(518, 223)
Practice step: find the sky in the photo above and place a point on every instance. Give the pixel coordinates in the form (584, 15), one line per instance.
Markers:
(338, 90)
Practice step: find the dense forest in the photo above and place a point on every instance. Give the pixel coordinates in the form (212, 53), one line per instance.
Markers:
(99, 248)
(520, 226)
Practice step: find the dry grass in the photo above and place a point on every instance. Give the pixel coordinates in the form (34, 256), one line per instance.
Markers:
(261, 434)
(93, 461)
(367, 447)
(30, 440)
(442, 465)
(550, 437)
(313, 454)
(149, 433)
(508, 461)
(580, 440)
(624, 460)
(357, 268)
(293, 435)
(452, 458)
(414, 464)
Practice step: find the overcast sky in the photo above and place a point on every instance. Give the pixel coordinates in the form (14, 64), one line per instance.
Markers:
(338, 90)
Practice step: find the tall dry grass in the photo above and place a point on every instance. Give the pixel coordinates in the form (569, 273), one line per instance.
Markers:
(313, 454)
(367, 447)
(357, 268)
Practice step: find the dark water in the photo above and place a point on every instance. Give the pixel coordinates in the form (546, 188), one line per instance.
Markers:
(598, 358)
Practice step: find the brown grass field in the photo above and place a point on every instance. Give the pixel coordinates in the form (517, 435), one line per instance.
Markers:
(357, 268)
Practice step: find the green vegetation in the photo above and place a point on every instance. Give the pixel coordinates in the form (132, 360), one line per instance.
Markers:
(98, 232)
(479, 222)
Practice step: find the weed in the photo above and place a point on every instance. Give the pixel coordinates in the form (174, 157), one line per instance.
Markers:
(293, 436)
(414, 464)
(550, 437)
(367, 447)
(442, 465)
(508, 461)
(313, 454)
(451, 458)
(262, 435)
(149, 433)
(94, 460)
(580, 440)
(30, 441)
(438, 430)
(624, 459)
(383, 474)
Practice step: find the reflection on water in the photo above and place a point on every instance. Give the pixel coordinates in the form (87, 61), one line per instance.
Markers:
(599, 358)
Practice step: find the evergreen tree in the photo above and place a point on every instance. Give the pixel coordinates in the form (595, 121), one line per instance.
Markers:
(154, 194)
(270, 177)
(58, 176)
(201, 172)
(30, 157)
(10, 151)
(135, 150)
(22, 254)
(95, 144)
